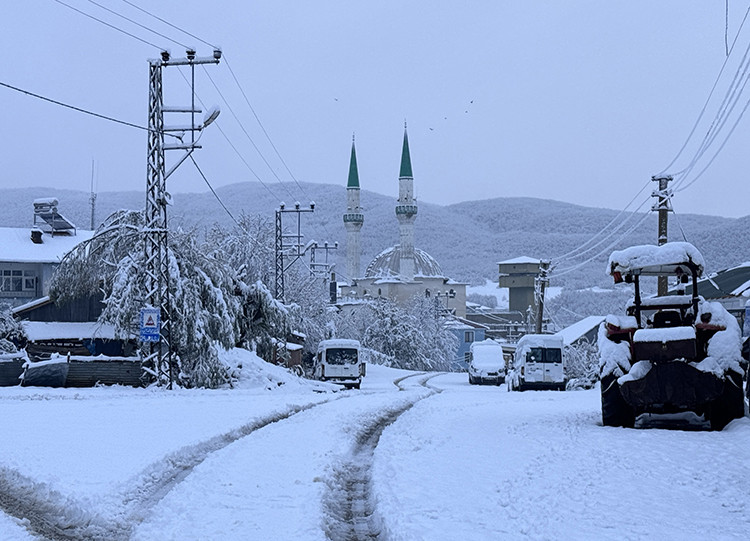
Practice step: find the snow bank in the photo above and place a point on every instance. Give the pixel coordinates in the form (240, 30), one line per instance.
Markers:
(637, 257)
(614, 358)
(252, 372)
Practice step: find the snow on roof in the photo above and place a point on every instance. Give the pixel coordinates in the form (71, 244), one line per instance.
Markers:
(338, 343)
(16, 245)
(32, 304)
(42, 330)
(520, 261)
(654, 257)
(540, 340)
(575, 331)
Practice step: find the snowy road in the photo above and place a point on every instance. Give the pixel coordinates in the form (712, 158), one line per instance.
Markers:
(410, 456)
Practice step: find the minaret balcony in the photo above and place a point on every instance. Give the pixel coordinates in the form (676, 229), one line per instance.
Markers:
(408, 210)
(354, 217)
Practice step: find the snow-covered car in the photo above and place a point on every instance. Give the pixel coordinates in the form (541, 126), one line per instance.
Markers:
(486, 363)
(538, 363)
(670, 354)
(340, 361)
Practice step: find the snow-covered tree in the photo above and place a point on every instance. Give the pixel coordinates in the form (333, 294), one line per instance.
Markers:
(216, 297)
(415, 337)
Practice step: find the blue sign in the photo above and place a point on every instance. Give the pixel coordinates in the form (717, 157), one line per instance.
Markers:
(150, 324)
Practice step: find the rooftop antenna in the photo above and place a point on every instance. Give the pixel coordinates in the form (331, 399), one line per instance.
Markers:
(92, 197)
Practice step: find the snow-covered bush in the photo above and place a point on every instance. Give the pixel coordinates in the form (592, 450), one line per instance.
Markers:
(11, 332)
(582, 365)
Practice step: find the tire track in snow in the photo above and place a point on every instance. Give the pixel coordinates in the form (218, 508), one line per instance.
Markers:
(349, 506)
(51, 515)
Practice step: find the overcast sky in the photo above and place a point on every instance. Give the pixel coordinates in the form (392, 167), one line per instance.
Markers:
(578, 101)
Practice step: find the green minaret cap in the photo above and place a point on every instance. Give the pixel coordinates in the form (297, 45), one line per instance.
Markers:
(353, 173)
(405, 158)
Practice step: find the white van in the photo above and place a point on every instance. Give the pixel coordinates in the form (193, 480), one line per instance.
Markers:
(538, 363)
(340, 361)
(486, 363)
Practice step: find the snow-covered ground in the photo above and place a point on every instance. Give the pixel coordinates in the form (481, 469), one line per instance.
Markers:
(410, 456)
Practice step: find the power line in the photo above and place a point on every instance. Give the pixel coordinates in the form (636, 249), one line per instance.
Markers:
(236, 150)
(108, 24)
(708, 99)
(73, 107)
(169, 24)
(242, 127)
(113, 12)
(600, 232)
(214, 192)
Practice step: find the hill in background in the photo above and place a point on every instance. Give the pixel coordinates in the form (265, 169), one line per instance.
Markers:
(467, 239)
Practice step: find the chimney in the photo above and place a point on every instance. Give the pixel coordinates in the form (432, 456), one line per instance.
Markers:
(36, 235)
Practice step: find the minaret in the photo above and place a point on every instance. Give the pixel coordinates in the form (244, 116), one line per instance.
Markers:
(406, 213)
(353, 219)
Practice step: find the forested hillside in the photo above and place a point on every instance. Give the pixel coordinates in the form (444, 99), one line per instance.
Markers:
(467, 239)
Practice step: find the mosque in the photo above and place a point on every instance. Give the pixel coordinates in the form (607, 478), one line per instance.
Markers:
(401, 271)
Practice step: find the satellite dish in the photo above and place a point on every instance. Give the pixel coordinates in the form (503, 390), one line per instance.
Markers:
(211, 115)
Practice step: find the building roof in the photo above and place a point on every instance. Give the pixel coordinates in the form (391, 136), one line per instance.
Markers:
(733, 282)
(581, 328)
(405, 171)
(353, 172)
(16, 245)
(39, 330)
(522, 260)
(386, 264)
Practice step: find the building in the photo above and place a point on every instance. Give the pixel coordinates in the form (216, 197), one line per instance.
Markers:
(29, 256)
(467, 333)
(401, 271)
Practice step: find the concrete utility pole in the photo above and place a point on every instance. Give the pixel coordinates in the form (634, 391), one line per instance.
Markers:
(663, 206)
(543, 281)
(160, 362)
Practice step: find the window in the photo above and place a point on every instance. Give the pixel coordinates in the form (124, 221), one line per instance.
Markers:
(17, 280)
(468, 336)
(467, 357)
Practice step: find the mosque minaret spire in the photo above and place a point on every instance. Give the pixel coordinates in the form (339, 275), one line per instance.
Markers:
(353, 219)
(406, 213)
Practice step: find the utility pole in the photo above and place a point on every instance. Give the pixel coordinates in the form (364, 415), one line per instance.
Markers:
(543, 281)
(286, 250)
(92, 198)
(663, 206)
(160, 362)
(321, 269)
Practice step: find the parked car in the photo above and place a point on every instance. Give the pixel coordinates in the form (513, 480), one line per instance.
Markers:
(538, 363)
(486, 363)
(340, 361)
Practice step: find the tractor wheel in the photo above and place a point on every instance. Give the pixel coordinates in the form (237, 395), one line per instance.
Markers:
(615, 411)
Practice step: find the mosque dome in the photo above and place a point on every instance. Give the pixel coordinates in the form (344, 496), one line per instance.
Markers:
(386, 264)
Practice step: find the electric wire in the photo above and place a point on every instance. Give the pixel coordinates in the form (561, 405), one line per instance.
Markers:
(113, 12)
(726, 108)
(568, 270)
(108, 24)
(247, 134)
(78, 109)
(573, 252)
(232, 145)
(192, 159)
(681, 186)
(708, 99)
(620, 226)
(142, 10)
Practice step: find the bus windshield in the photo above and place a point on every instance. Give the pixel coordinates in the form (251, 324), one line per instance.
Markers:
(341, 356)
